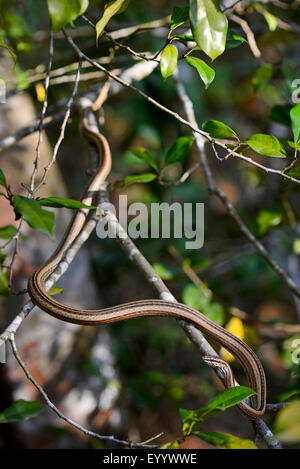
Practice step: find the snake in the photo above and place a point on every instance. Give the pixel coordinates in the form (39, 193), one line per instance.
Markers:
(252, 408)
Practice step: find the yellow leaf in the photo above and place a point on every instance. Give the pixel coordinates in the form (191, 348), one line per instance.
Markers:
(236, 327)
(40, 92)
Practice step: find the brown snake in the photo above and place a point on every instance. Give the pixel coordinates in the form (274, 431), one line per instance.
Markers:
(36, 288)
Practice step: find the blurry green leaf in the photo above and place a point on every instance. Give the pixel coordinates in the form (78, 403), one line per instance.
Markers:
(3, 44)
(4, 288)
(225, 440)
(270, 19)
(63, 12)
(281, 113)
(179, 16)
(215, 312)
(206, 73)
(2, 257)
(266, 145)
(195, 298)
(3, 179)
(289, 74)
(34, 215)
(294, 172)
(21, 410)
(296, 248)
(217, 129)
(178, 150)
(261, 76)
(136, 178)
(110, 9)
(287, 424)
(183, 37)
(58, 202)
(168, 61)
(209, 26)
(162, 271)
(22, 78)
(8, 232)
(170, 445)
(234, 40)
(54, 290)
(295, 118)
(267, 219)
(144, 155)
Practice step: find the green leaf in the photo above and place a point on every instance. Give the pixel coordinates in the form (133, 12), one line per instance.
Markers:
(63, 12)
(217, 129)
(54, 290)
(234, 40)
(179, 16)
(270, 19)
(206, 73)
(168, 61)
(261, 76)
(178, 150)
(144, 155)
(230, 397)
(110, 9)
(170, 445)
(266, 145)
(4, 288)
(136, 178)
(2, 257)
(286, 425)
(34, 215)
(21, 410)
(3, 179)
(209, 26)
(225, 440)
(8, 232)
(215, 312)
(295, 118)
(268, 219)
(294, 172)
(58, 202)
(12, 54)
(195, 298)
(162, 271)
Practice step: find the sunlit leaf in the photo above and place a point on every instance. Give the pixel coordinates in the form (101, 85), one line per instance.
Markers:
(270, 19)
(266, 145)
(136, 178)
(225, 440)
(63, 12)
(215, 312)
(110, 9)
(268, 219)
(162, 271)
(206, 73)
(54, 290)
(178, 150)
(168, 61)
(209, 26)
(34, 215)
(21, 410)
(170, 445)
(217, 129)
